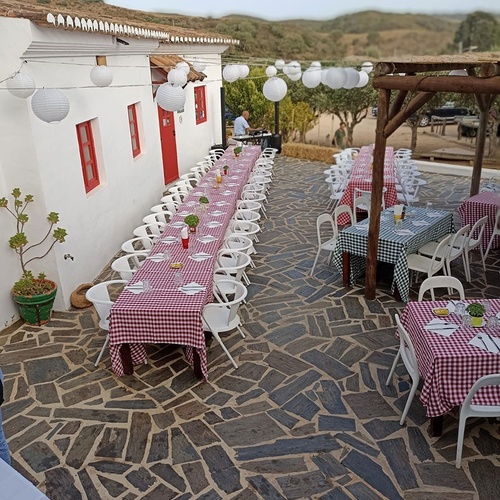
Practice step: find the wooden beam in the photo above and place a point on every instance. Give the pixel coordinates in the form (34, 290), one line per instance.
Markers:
(460, 84)
(488, 70)
(397, 103)
(393, 68)
(377, 186)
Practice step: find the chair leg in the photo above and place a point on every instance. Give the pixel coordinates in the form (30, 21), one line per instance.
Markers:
(106, 342)
(460, 440)
(315, 262)
(393, 367)
(241, 331)
(408, 402)
(224, 348)
(489, 245)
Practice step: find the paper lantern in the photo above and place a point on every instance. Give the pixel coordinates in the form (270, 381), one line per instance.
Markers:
(323, 76)
(101, 76)
(243, 70)
(311, 77)
(271, 71)
(21, 85)
(50, 105)
(184, 66)
(295, 76)
(274, 89)
(336, 78)
(170, 97)
(280, 64)
(367, 67)
(199, 65)
(230, 73)
(177, 77)
(294, 67)
(363, 79)
(352, 78)
(315, 64)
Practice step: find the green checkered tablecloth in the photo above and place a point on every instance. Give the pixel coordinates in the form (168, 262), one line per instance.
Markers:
(392, 248)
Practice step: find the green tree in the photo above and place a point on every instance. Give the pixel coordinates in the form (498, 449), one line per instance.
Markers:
(480, 30)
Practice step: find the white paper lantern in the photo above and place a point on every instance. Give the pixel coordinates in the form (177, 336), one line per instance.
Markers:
(243, 70)
(352, 78)
(199, 65)
(280, 64)
(336, 78)
(170, 97)
(315, 64)
(294, 67)
(323, 77)
(363, 79)
(274, 89)
(311, 77)
(50, 105)
(101, 76)
(184, 66)
(21, 85)
(295, 76)
(367, 67)
(177, 77)
(271, 71)
(230, 73)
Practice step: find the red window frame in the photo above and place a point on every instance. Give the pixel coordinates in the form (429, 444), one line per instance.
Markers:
(87, 156)
(200, 105)
(134, 130)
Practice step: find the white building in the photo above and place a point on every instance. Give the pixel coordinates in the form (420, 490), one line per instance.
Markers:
(135, 147)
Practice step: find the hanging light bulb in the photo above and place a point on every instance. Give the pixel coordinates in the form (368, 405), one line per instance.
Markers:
(243, 70)
(280, 64)
(352, 78)
(21, 85)
(363, 79)
(50, 105)
(311, 77)
(336, 78)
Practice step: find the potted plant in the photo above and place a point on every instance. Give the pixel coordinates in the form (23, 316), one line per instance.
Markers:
(34, 295)
(225, 168)
(237, 151)
(192, 221)
(203, 203)
(476, 312)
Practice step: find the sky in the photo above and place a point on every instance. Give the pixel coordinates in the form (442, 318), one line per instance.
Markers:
(274, 10)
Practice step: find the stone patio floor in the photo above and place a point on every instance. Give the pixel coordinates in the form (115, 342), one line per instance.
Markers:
(306, 416)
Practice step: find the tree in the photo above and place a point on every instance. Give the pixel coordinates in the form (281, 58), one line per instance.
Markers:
(480, 31)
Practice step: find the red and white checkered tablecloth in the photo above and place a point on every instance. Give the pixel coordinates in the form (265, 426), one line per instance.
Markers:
(476, 207)
(361, 178)
(165, 314)
(449, 366)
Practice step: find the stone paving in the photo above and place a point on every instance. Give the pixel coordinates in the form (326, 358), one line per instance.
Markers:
(306, 416)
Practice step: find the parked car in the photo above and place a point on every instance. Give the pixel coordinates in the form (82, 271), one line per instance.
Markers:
(448, 111)
(374, 110)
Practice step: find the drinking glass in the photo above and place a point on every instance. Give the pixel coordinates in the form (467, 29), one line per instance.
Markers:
(487, 307)
(466, 320)
(146, 285)
(493, 322)
(429, 206)
(398, 223)
(460, 308)
(167, 254)
(178, 278)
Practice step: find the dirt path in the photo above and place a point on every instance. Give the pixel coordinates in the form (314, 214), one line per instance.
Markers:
(427, 141)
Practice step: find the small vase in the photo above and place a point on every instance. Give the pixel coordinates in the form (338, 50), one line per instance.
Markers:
(477, 321)
(192, 229)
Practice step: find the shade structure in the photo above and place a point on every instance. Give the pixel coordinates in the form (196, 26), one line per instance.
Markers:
(21, 85)
(274, 89)
(50, 105)
(177, 77)
(170, 97)
(101, 76)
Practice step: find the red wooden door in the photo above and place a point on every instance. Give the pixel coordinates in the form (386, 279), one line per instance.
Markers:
(168, 145)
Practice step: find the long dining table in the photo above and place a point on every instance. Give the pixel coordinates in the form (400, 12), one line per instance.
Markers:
(451, 356)
(166, 314)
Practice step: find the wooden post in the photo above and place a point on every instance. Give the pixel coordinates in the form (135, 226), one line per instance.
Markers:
(478, 157)
(377, 187)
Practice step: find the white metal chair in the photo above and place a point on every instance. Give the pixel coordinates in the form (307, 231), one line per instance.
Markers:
(494, 234)
(99, 296)
(328, 244)
(128, 264)
(407, 353)
(470, 409)
(429, 265)
(222, 316)
(449, 282)
(474, 240)
(340, 210)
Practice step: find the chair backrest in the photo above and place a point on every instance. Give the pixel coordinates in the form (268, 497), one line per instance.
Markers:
(440, 282)
(476, 233)
(362, 203)
(326, 218)
(232, 262)
(248, 215)
(493, 379)
(343, 209)
(244, 227)
(169, 204)
(440, 255)
(153, 230)
(127, 265)
(457, 242)
(225, 288)
(238, 242)
(99, 296)
(249, 205)
(139, 244)
(406, 349)
(164, 217)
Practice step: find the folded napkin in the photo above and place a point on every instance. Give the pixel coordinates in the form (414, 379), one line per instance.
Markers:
(198, 193)
(191, 203)
(367, 180)
(207, 239)
(433, 214)
(498, 315)
(184, 212)
(177, 224)
(221, 203)
(158, 257)
(216, 213)
(441, 327)
(404, 232)
(200, 256)
(486, 342)
(192, 288)
(451, 305)
(361, 227)
(213, 223)
(169, 240)
(232, 184)
(420, 223)
(136, 288)
(226, 193)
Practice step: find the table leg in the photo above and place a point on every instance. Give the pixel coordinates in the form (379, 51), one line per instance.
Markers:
(128, 367)
(436, 426)
(346, 268)
(396, 293)
(197, 364)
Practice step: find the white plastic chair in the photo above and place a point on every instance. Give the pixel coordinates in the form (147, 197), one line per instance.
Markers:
(100, 298)
(246, 215)
(361, 203)
(223, 316)
(163, 217)
(449, 282)
(429, 265)
(407, 353)
(474, 241)
(128, 264)
(340, 210)
(168, 203)
(231, 265)
(138, 245)
(494, 234)
(327, 245)
(246, 228)
(152, 230)
(469, 409)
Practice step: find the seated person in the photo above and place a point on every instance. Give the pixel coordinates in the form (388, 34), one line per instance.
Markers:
(241, 126)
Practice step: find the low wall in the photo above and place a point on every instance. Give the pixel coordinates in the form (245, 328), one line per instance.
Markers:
(309, 152)
(451, 169)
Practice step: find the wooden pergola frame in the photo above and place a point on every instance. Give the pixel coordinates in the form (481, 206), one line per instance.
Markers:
(418, 76)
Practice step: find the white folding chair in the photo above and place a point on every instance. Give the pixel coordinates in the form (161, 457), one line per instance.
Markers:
(429, 265)
(449, 282)
(328, 243)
